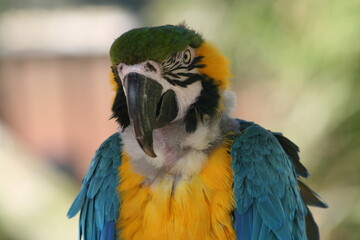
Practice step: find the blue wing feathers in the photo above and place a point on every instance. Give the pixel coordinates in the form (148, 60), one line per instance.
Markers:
(293, 152)
(243, 225)
(78, 203)
(271, 211)
(98, 200)
(268, 203)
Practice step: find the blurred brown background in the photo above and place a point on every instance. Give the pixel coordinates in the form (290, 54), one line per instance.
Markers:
(296, 68)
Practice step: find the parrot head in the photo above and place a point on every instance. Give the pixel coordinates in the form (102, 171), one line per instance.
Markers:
(164, 75)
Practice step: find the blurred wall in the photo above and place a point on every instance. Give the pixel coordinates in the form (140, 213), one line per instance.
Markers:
(55, 90)
(58, 105)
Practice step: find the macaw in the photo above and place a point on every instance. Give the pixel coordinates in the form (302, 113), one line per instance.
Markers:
(180, 167)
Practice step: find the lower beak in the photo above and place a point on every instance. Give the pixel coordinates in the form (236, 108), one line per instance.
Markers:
(148, 108)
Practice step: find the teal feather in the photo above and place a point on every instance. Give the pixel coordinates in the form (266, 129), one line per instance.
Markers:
(89, 219)
(246, 170)
(94, 186)
(293, 152)
(78, 203)
(98, 200)
(99, 208)
(265, 186)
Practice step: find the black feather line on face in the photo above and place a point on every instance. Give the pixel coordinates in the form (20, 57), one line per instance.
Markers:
(192, 77)
(119, 108)
(173, 77)
(206, 104)
(191, 120)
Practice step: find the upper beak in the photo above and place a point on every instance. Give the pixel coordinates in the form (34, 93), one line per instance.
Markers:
(148, 108)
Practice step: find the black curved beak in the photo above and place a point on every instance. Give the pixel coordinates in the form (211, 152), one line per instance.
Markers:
(148, 108)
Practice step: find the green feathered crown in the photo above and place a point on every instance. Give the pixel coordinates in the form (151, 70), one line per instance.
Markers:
(152, 43)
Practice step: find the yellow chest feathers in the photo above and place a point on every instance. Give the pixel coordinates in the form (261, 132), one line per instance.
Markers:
(196, 208)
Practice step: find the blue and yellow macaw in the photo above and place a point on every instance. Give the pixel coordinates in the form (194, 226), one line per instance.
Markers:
(181, 167)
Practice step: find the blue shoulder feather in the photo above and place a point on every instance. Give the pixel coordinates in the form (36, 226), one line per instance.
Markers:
(98, 200)
(267, 198)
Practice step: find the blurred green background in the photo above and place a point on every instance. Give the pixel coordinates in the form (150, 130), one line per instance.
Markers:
(296, 67)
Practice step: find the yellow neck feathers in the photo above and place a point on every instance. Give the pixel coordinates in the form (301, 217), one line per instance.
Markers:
(196, 208)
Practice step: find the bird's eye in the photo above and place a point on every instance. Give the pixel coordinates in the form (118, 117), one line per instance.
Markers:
(187, 56)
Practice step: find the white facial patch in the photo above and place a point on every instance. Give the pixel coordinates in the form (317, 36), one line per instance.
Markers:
(186, 97)
(153, 72)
